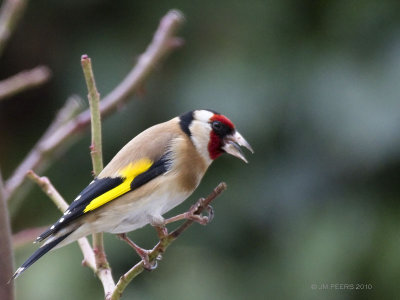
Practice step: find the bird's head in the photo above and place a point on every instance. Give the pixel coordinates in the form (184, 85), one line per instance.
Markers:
(213, 134)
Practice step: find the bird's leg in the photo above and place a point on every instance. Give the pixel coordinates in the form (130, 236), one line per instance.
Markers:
(162, 231)
(143, 253)
(157, 222)
(191, 214)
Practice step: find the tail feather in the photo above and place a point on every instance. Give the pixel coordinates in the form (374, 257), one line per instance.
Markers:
(44, 235)
(38, 254)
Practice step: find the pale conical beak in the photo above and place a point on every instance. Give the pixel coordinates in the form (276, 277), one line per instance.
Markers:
(232, 145)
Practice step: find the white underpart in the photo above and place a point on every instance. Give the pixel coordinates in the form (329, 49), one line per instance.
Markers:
(152, 208)
(200, 129)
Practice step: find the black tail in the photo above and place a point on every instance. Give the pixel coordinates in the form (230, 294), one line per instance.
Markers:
(38, 254)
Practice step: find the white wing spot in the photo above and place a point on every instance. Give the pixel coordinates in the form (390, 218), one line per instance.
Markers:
(61, 220)
(52, 227)
(67, 212)
(91, 182)
(77, 198)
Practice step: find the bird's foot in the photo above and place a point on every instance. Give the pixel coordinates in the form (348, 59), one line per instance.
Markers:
(199, 218)
(192, 214)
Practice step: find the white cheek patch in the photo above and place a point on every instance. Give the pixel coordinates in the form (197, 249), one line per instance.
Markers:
(201, 137)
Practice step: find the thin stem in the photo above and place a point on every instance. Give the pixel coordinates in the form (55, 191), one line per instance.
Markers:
(163, 43)
(24, 80)
(46, 186)
(164, 243)
(88, 254)
(94, 100)
(102, 265)
(95, 147)
(10, 13)
(6, 255)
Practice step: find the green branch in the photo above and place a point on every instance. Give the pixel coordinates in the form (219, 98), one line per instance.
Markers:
(102, 264)
(94, 103)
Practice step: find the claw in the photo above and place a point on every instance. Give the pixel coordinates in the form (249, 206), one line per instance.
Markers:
(210, 212)
(149, 266)
(199, 218)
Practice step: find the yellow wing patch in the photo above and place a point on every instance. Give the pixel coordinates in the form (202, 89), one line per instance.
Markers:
(128, 173)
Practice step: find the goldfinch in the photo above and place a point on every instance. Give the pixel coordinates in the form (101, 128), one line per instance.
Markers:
(156, 171)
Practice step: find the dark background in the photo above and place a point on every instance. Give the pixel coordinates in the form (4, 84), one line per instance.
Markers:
(312, 85)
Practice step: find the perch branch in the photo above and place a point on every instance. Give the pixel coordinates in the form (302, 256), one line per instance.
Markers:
(102, 264)
(24, 80)
(10, 13)
(6, 256)
(94, 100)
(164, 243)
(49, 190)
(164, 41)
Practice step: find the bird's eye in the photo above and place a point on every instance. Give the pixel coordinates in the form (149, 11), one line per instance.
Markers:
(216, 125)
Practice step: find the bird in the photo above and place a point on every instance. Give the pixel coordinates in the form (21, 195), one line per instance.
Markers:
(153, 173)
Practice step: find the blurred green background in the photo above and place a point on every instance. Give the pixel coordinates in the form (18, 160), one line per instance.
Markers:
(312, 85)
